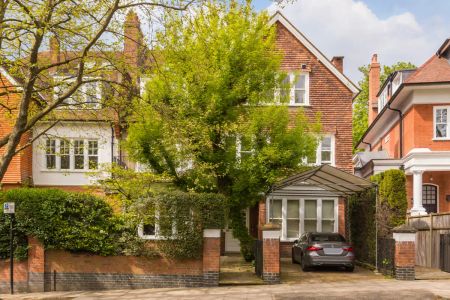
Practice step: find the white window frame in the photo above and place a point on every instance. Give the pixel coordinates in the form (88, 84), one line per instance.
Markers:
(71, 155)
(301, 213)
(435, 108)
(239, 149)
(156, 236)
(318, 161)
(81, 89)
(292, 76)
(142, 83)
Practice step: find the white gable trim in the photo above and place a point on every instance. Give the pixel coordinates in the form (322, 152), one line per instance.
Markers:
(10, 78)
(278, 16)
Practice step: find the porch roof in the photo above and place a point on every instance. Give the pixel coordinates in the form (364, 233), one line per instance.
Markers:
(328, 178)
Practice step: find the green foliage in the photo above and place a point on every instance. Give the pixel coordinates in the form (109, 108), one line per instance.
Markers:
(392, 199)
(204, 102)
(61, 220)
(362, 208)
(181, 218)
(360, 104)
(365, 215)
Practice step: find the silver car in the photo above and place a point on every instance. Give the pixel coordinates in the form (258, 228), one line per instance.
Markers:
(323, 249)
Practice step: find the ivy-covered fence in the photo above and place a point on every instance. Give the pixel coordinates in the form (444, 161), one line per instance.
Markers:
(371, 218)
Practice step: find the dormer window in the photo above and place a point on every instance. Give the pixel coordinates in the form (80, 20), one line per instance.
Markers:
(295, 88)
(88, 95)
(382, 99)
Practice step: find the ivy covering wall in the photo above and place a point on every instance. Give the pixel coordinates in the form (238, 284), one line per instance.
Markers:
(81, 222)
(370, 217)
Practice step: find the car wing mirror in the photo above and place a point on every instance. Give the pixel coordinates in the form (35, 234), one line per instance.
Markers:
(296, 242)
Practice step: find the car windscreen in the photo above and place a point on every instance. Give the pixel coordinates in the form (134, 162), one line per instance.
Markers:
(327, 238)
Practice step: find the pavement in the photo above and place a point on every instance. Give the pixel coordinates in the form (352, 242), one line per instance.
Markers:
(371, 289)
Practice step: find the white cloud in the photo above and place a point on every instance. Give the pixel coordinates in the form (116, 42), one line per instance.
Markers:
(350, 28)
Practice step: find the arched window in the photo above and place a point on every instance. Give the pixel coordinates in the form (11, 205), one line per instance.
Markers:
(429, 198)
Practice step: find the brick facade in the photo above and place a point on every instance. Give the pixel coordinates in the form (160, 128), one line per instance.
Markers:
(328, 96)
(47, 270)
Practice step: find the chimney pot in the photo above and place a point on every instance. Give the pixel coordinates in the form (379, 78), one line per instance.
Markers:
(338, 62)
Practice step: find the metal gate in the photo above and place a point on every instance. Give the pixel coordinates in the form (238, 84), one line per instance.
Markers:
(386, 256)
(444, 260)
(258, 258)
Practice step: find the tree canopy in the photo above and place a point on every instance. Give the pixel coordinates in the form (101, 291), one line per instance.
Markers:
(210, 118)
(361, 103)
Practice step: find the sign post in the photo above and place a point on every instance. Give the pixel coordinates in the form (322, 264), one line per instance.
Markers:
(10, 208)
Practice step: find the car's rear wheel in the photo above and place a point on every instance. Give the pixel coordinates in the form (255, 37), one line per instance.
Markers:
(350, 269)
(305, 267)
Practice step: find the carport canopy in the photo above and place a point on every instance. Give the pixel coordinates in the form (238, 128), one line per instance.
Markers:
(328, 178)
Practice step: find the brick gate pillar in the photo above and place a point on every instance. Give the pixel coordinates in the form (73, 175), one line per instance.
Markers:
(36, 265)
(405, 252)
(211, 257)
(271, 253)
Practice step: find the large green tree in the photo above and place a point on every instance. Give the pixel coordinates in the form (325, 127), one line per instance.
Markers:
(209, 118)
(360, 105)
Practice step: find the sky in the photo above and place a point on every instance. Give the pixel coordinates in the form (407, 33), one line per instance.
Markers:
(397, 30)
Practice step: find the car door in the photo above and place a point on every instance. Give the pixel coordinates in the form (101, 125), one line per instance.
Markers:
(302, 244)
(296, 249)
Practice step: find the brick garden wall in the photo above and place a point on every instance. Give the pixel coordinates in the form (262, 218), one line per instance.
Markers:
(63, 271)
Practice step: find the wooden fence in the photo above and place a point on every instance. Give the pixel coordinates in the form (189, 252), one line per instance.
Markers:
(429, 229)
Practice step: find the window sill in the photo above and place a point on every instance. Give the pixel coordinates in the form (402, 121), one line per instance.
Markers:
(441, 139)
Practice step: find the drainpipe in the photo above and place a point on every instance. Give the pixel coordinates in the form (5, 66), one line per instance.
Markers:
(112, 143)
(400, 114)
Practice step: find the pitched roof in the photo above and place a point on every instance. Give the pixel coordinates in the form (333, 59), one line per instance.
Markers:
(279, 17)
(435, 69)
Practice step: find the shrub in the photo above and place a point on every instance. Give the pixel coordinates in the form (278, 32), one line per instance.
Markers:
(60, 220)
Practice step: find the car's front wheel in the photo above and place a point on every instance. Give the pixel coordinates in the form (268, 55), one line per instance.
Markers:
(293, 257)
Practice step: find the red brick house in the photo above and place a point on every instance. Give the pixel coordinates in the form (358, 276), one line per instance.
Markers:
(319, 86)
(409, 129)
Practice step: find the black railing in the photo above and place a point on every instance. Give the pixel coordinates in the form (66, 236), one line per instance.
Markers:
(386, 256)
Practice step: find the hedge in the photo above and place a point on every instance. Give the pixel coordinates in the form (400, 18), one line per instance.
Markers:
(363, 213)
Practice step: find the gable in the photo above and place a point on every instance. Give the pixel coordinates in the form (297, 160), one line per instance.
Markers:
(279, 18)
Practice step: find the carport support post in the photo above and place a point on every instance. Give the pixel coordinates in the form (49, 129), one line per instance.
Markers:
(271, 253)
(405, 252)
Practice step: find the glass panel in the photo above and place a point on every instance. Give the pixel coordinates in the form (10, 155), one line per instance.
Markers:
(326, 156)
(326, 143)
(50, 151)
(310, 225)
(300, 96)
(292, 209)
(285, 88)
(149, 229)
(301, 82)
(79, 154)
(64, 150)
(51, 161)
(328, 226)
(441, 130)
(276, 208)
(93, 154)
(310, 209)
(293, 228)
(328, 209)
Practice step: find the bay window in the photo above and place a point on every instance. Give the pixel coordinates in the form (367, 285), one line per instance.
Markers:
(299, 215)
(441, 130)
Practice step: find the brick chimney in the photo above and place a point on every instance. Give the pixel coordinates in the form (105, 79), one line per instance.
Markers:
(338, 62)
(374, 87)
(54, 53)
(133, 39)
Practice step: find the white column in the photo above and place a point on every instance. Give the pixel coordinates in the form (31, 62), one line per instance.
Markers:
(417, 209)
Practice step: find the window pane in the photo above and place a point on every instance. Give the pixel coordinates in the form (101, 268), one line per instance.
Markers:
(65, 162)
(328, 209)
(328, 226)
(285, 88)
(292, 209)
(292, 228)
(51, 161)
(93, 148)
(149, 229)
(93, 162)
(441, 130)
(326, 156)
(300, 96)
(326, 142)
(64, 150)
(300, 82)
(50, 153)
(310, 209)
(310, 225)
(276, 209)
(79, 154)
